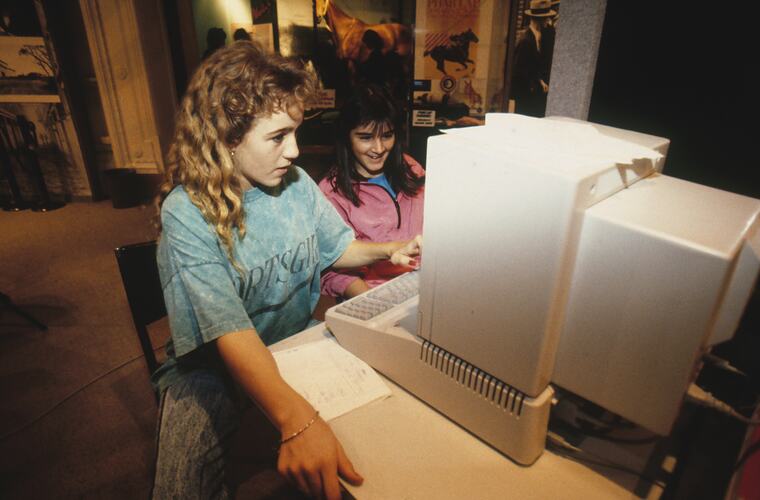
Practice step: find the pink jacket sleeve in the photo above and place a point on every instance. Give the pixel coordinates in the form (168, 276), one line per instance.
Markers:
(335, 282)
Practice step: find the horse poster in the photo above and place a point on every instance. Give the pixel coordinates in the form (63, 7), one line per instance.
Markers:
(370, 42)
(455, 43)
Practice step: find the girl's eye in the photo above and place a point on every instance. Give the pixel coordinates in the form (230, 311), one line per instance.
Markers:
(388, 135)
(278, 138)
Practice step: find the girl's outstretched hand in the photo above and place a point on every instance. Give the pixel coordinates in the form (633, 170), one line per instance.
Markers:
(404, 256)
(314, 459)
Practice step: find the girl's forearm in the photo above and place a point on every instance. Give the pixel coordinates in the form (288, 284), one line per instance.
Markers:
(364, 253)
(252, 366)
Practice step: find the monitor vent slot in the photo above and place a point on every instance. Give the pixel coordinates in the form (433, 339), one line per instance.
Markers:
(472, 377)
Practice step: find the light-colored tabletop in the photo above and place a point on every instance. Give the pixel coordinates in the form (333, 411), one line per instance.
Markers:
(406, 450)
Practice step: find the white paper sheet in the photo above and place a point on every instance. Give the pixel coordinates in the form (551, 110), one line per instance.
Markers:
(332, 379)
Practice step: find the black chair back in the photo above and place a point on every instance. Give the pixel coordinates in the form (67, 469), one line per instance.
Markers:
(139, 273)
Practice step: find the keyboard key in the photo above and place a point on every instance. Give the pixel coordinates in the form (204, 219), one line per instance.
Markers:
(379, 300)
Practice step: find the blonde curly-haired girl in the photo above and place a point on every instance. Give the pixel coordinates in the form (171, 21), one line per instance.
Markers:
(245, 235)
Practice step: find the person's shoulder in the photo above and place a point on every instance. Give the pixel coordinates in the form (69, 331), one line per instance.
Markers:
(297, 183)
(327, 183)
(302, 174)
(179, 207)
(298, 177)
(329, 188)
(176, 201)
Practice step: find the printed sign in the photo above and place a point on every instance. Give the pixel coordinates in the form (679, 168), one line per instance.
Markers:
(325, 99)
(423, 118)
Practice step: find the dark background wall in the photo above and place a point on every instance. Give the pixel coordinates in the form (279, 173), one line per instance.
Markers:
(688, 72)
(685, 71)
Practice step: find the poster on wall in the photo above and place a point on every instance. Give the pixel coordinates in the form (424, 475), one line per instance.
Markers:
(368, 42)
(295, 21)
(26, 71)
(534, 47)
(34, 116)
(264, 28)
(452, 57)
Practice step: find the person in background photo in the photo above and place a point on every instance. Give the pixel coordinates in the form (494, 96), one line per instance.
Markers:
(377, 189)
(215, 40)
(245, 235)
(241, 34)
(533, 56)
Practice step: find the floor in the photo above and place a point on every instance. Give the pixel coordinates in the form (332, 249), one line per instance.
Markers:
(78, 412)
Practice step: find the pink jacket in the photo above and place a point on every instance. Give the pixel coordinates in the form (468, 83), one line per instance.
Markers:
(378, 218)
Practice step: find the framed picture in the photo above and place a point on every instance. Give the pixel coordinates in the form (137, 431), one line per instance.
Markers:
(369, 41)
(458, 61)
(349, 42)
(26, 71)
(264, 28)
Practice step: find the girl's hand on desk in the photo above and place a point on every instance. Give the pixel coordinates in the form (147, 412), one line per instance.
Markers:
(314, 459)
(310, 455)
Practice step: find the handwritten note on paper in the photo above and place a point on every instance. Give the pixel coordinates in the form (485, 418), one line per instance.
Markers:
(332, 379)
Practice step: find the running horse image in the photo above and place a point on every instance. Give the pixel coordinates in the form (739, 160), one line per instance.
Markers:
(349, 33)
(458, 51)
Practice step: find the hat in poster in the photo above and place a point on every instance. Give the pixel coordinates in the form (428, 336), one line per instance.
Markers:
(540, 8)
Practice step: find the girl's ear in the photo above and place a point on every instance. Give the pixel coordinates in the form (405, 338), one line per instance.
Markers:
(231, 147)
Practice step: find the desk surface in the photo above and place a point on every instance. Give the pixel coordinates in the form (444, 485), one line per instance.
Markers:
(405, 449)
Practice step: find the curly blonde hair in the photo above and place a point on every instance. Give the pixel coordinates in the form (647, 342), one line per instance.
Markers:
(230, 90)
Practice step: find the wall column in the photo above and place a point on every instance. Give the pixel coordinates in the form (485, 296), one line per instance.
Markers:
(574, 61)
(133, 67)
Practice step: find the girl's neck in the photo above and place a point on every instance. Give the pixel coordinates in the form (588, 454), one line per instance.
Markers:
(364, 173)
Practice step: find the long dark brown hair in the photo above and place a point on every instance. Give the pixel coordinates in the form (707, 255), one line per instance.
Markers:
(370, 105)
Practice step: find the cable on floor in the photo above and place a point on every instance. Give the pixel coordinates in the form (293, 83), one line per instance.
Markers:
(74, 393)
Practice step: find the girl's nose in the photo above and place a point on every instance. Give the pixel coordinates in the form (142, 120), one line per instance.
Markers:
(291, 148)
(377, 145)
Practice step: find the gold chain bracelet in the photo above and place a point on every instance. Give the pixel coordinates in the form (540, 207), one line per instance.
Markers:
(302, 429)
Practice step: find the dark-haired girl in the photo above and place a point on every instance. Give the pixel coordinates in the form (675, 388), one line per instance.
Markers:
(376, 188)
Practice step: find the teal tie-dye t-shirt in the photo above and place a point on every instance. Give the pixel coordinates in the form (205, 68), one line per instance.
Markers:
(292, 234)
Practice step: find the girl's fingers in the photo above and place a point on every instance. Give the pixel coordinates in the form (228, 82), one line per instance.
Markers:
(346, 468)
(331, 486)
(314, 480)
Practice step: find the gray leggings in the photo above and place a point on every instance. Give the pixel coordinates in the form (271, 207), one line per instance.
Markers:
(198, 419)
